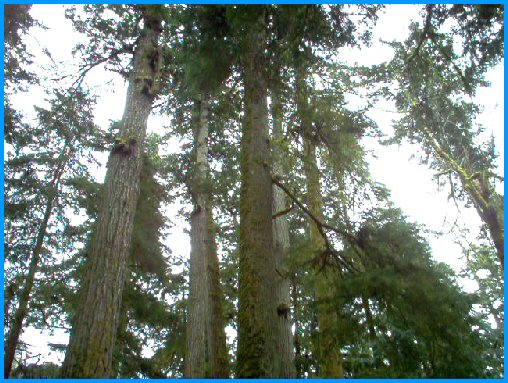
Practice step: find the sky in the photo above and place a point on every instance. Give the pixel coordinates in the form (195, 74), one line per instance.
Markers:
(410, 183)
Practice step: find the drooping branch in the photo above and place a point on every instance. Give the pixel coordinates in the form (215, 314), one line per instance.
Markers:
(321, 226)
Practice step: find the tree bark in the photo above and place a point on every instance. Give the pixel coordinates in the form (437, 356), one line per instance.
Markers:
(90, 350)
(206, 350)
(195, 358)
(285, 345)
(298, 347)
(257, 316)
(329, 355)
(218, 358)
(24, 297)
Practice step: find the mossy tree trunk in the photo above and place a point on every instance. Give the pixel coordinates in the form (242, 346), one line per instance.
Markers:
(330, 358)
(285, 344)
(206, 350)
(488, 203)
(328, 352)
(257, 316)
(90, 350)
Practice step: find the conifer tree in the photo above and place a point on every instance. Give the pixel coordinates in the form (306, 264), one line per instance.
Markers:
(90, 350)
(257, 318)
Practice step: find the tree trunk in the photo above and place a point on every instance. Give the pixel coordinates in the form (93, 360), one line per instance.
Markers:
(90, 350)
(24, 297)
(486, 201)
(206, 350)
(329, 355)
(257, 316)
(195, 358)
(298, 347)
(285, 345)
(218, 358)
(330, 359)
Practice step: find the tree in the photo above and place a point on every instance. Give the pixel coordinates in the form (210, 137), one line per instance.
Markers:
(265, 158)
(90, 349)
(429, 81)
(258, 301)
(68, 132)
(421, 321)
(328, 352)
(206, 351)
(285, 367)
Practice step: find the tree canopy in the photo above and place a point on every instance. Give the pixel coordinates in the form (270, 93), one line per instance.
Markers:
(228, 223)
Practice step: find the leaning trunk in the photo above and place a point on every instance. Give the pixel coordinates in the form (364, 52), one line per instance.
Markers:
(257, 316)
(285, 354)
(24, 297)
(488, 203)
(90, 350)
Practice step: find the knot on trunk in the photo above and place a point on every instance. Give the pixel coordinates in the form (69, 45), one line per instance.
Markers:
(125, 146)
(283, 310)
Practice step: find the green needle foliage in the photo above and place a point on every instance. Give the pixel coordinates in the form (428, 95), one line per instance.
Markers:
(363, 280)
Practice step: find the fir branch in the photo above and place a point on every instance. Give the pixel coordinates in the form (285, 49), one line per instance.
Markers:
(351, 239)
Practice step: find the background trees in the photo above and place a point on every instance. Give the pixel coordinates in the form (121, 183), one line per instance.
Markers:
(264, 153)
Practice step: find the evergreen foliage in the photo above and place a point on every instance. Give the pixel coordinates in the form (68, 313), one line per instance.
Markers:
(269, 86)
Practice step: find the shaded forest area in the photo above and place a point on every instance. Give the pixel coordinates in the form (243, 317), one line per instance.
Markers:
(300, 264)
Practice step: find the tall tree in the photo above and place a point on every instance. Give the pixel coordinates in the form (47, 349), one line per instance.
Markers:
(257, 316)
(431, 75)
(90, 349)
(68, 130)
(329, 355)
(285, 342)
(195, 358)
(202, 72)
(218, 359)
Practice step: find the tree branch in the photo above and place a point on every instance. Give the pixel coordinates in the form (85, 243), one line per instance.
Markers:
(283, 212)
(425, 32)
(351, 239)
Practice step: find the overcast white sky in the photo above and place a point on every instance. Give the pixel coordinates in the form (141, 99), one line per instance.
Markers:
(410, 183)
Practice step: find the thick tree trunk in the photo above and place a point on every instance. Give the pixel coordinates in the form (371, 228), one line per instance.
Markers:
(24, 297)
(329, 355)
(285, 345)
(90, 351)
(257, 316)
